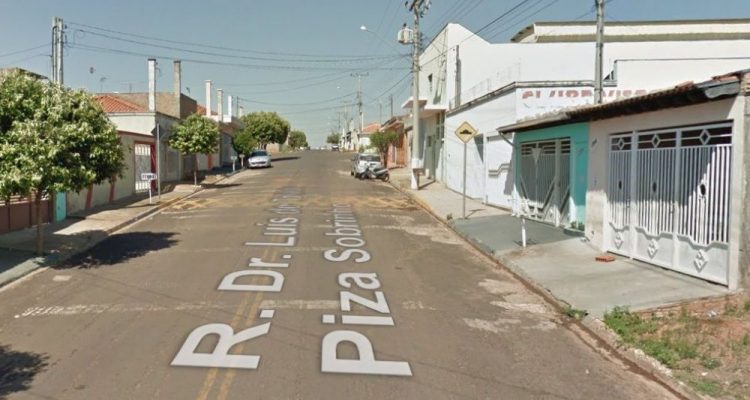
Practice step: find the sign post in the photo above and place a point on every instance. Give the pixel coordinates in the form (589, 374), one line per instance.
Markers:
(150, 177)
(234, 161)
(465, 132)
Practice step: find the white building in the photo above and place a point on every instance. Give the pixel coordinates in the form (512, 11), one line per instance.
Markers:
(548, 66)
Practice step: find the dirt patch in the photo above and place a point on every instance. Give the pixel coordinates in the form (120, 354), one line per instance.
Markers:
(706, 343)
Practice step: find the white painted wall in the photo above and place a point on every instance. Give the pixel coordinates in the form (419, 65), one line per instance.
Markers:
(486, 67)
(485, 118)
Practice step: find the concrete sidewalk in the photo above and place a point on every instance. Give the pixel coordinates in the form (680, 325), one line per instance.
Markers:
(561, 262)
(82, 230)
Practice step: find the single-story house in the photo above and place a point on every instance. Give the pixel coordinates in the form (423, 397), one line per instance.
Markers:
(666, 175)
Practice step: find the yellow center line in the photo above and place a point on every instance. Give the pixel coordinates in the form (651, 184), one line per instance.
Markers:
(210, 379)
(226, 384)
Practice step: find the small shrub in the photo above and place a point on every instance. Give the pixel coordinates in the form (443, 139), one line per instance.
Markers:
(709, 362)
(575, 313)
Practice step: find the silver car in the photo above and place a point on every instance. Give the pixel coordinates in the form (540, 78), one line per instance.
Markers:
(259, 159)
(360, 162)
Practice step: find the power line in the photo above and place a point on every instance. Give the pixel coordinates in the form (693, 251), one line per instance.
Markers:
(256, 58)
(12, 53)
(511, 25)
(158, 39)
(299, 104)
(512, 9)
(229, 64)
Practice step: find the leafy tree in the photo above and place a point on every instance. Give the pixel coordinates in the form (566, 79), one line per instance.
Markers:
(297, 139)
(333, 138)
(196, 135)
(266, 127)
(244, 143)
(53, 139)
(381, 141)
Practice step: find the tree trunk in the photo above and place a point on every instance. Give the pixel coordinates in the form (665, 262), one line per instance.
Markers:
(195, 169)
(39, 229)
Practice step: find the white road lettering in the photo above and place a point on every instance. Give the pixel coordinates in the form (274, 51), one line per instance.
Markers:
(350, 238)
(365, 364)
(219, 357)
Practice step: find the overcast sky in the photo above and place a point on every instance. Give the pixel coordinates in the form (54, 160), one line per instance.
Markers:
(296, 56)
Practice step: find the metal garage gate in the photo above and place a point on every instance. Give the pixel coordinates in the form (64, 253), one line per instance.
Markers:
(144, 162)
(668, 197)
(544, 177)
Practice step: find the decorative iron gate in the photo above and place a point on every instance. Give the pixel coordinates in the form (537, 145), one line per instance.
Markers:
(544, 179)
(143, 163)
(668, 197)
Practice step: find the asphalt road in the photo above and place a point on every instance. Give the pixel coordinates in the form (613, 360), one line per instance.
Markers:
(252, 290)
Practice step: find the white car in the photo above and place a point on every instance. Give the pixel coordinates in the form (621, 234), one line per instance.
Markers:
(360, 162)
(259, 159)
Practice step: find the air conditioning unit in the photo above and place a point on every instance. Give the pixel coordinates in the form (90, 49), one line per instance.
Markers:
(406, 35)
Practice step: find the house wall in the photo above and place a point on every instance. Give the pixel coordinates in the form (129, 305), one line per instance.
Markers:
(106, 193)
(579, 156)
(171, 165)
(485, 118)
(486, 67)
(596, 196)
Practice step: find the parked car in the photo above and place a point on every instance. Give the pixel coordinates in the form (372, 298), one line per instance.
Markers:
(258, 159)
(335, 147)
(361, 161)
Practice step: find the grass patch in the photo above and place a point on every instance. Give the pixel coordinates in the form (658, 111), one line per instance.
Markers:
(642, 333)
(709, 362)
(706, 386)
(706, 350)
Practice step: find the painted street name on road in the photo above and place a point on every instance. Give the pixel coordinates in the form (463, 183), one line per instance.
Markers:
(283, 225)
(350, 247)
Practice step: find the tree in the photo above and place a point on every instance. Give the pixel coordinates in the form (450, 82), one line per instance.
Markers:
(196, 135)
(266, 127)
(297, 139)
(53, 139)
(333, 138)
(244, 144)
(381, 141)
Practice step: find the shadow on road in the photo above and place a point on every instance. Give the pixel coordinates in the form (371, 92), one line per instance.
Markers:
(119, 248)
(286, 158)
(17, 370)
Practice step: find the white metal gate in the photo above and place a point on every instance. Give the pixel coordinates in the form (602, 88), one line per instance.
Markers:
(668, 195)
(142, 164)
(544, 178)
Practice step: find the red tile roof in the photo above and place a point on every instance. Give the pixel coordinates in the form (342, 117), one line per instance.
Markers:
(201, 109)
(371, 128)
(112, 104)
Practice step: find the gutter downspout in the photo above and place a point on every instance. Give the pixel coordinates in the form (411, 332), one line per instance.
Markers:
(486, 167)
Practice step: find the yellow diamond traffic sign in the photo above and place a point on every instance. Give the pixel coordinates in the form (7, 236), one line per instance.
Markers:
(466, 132)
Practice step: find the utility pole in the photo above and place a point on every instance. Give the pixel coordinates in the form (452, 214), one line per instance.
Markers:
(598, 74)
(457, 81)
(390, 99)
(418, 8)
(359, 76)
(58, 31)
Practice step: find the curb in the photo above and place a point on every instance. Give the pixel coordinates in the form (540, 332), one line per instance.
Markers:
(39, 263)
(593, 327)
